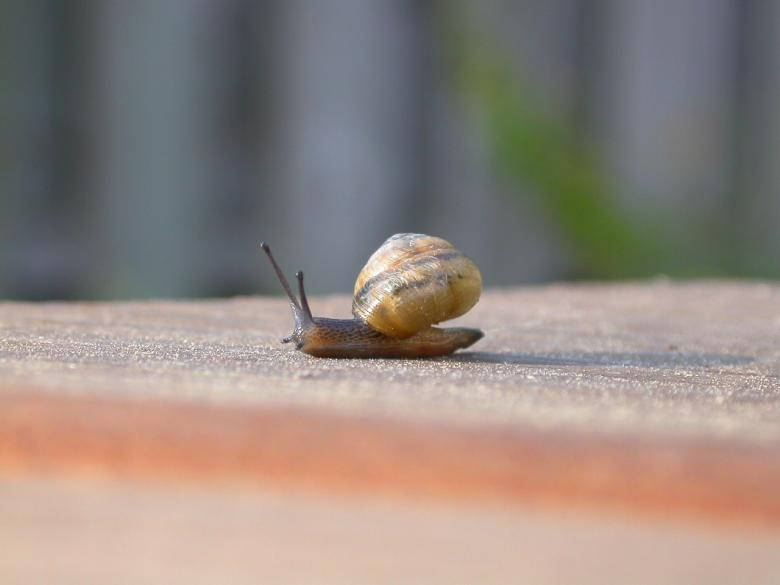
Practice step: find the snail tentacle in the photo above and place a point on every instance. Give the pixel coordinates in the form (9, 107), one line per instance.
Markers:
(302, 294)
(302, 318)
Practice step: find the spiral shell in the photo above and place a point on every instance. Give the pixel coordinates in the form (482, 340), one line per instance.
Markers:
(413, 281)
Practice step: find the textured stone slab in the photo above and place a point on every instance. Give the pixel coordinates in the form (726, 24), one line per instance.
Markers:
(671, 387)
(638, 424)
(684, 359)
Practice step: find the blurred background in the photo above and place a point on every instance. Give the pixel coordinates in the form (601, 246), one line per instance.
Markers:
(147, 147)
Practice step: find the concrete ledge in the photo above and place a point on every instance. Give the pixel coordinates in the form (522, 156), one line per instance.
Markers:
(654, 401)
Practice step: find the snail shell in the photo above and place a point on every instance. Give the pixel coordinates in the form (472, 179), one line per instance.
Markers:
(413, 281)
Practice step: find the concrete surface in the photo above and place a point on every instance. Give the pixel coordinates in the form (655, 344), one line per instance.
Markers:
(695, 359)
(597, 434)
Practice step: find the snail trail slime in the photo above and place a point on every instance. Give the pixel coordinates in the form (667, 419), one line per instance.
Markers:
(411, 282)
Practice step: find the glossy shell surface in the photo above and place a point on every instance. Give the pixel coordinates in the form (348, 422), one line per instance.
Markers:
(413, 281)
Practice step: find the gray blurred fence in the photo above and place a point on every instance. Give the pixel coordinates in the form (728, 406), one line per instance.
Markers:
(148, 146)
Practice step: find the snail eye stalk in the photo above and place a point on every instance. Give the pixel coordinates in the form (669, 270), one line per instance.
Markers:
(301, 314)
(302, 294)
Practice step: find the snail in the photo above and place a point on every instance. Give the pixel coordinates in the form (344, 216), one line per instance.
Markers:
(410, 283)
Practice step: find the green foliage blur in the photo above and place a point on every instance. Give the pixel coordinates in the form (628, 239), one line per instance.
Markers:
(541, 156)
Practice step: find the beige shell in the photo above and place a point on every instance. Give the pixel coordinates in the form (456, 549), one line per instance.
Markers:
(413, 281)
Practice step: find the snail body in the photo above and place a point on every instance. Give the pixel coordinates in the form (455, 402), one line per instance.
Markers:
(410, 283)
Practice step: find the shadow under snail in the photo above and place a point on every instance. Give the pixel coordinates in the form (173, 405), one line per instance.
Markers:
(410, 283)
